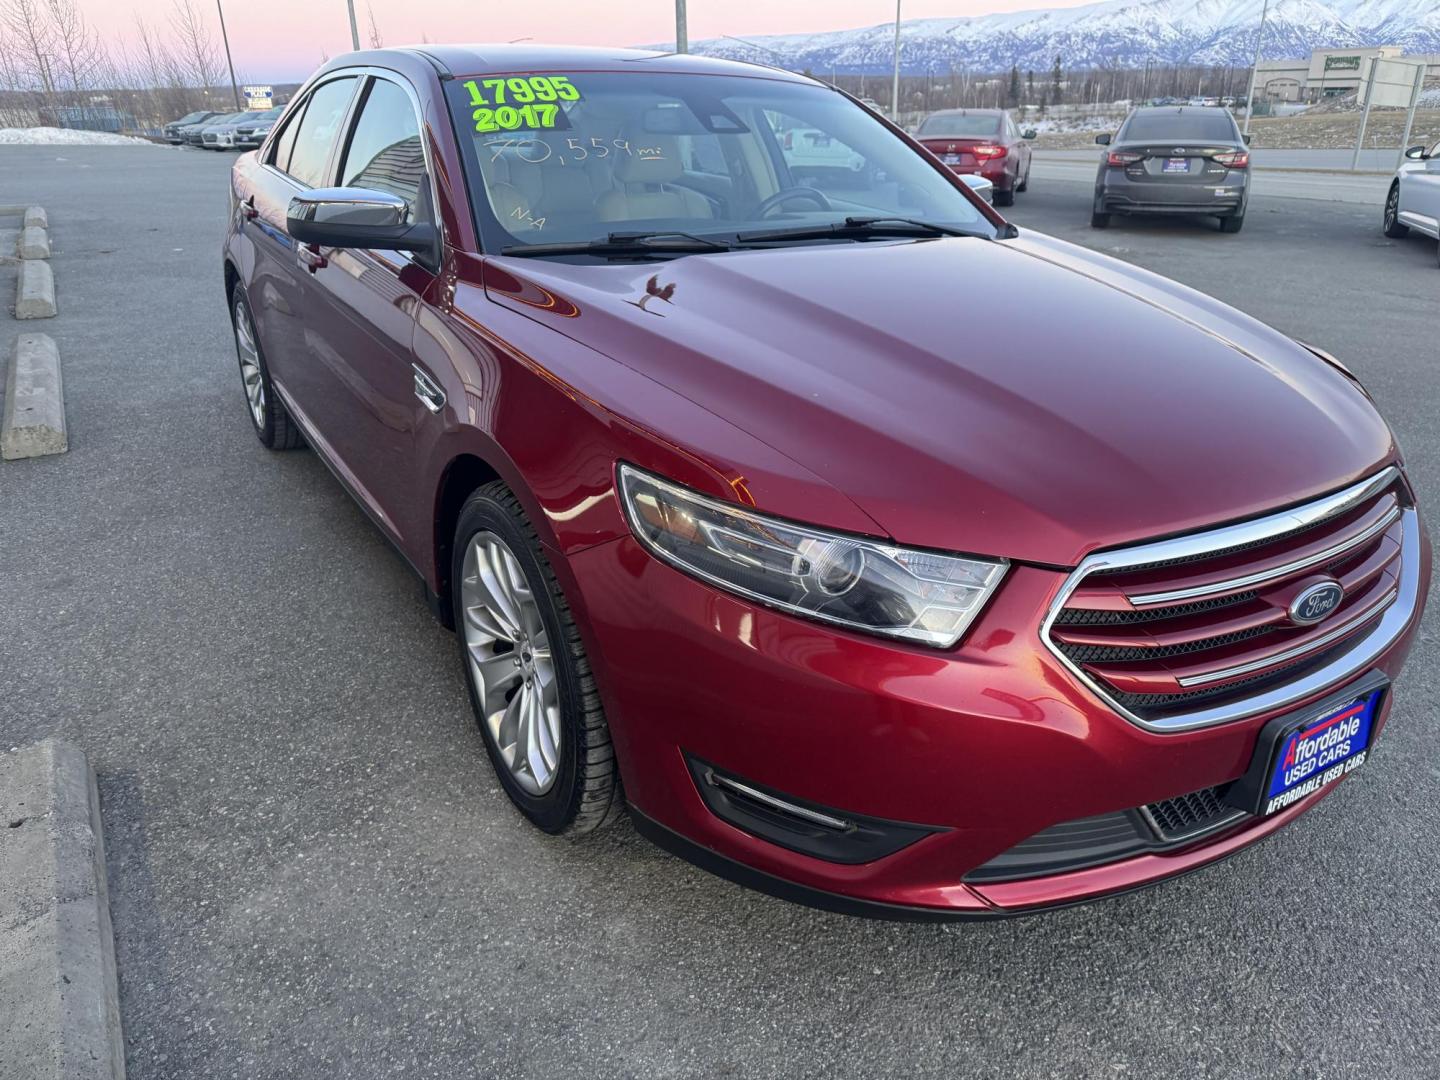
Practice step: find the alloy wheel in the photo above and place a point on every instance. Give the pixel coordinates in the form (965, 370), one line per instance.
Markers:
(508, 650)
(1392, 207)
(250, 373)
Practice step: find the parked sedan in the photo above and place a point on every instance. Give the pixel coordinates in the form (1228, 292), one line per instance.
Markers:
(1174, 160)
(173, 129)
(1414, 198)
(219, 134)
(736, 529)
(251, 132)
(984, 142)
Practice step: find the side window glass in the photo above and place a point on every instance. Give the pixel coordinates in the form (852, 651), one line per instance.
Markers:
(318, 130)
(280, 157)
(385, 153)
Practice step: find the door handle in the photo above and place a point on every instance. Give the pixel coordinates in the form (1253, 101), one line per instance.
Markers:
(430, 395)
(308, 255)
(247, 208)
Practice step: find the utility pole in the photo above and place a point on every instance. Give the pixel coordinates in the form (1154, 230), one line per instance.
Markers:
(1255, 68)
(234, 89)
(354, 29)
(682, 32)
(895, 81)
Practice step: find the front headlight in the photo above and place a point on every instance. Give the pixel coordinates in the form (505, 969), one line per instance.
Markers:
(920, 596)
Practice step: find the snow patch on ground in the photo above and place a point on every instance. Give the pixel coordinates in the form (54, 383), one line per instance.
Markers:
(50, 136)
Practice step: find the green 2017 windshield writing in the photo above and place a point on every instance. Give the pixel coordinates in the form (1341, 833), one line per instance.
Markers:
(512, 103)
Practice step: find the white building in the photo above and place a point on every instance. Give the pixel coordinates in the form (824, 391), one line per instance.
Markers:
(1328, 73)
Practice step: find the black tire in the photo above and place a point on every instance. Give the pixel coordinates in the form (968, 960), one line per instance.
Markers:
(586, 792)
(1004, 196)
(1390, 224)
(1099, 220)
(1232, 223)
(275, 428)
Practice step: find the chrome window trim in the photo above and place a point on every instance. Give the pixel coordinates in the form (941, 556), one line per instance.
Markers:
(1366, 649)
(1220, 588)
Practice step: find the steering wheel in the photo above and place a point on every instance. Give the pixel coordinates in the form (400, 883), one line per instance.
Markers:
(780, 198)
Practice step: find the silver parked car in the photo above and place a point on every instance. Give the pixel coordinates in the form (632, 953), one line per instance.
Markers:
(1414, 198)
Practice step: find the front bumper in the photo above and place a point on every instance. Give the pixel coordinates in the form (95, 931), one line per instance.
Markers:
(1117, 193)
(987, 744)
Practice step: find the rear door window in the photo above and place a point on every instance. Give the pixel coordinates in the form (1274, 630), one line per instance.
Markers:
(318, 131)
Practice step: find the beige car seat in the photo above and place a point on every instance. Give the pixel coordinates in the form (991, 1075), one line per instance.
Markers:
(646, 185)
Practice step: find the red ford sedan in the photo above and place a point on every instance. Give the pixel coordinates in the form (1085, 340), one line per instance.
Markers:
(735, 531)
(983, 142)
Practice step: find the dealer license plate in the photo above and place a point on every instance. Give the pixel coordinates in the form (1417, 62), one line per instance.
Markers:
(1320, 751)
(1176, 165)
(951, 159)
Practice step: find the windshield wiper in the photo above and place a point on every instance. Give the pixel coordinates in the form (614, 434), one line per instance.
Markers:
(857, 228)
(660, 242)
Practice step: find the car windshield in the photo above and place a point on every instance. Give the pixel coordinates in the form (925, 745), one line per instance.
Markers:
(1143, 126)
(557, 159)
(960, 125)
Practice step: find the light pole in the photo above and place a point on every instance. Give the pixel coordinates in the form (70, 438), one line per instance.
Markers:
(682, 32)
(895, 81)
(354, 29)
(230, 63)
(1255, 68)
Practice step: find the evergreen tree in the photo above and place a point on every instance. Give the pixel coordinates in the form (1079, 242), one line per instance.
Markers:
(1056, 78)
(1030, 86)
(1014, 85)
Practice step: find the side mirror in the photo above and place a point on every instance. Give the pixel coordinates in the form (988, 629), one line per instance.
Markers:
(1030, 133)
(1103, 140)
(1416, 153)
(356, 218)
(1246, 138)
(978, 184)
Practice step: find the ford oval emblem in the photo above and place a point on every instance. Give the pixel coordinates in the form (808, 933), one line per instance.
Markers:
(1316, 602)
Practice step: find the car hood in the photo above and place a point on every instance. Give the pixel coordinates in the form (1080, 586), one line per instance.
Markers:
(1024, 398)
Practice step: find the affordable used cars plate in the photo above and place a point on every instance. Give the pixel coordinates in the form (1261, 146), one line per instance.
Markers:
(1320, 752)
(1177, 165)
(1299, 754)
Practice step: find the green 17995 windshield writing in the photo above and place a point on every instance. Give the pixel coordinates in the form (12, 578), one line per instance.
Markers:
(512, 103)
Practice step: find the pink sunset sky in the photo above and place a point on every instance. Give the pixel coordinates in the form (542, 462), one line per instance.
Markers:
(283, 41)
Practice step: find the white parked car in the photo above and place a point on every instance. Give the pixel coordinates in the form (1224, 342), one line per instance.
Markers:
(808, 148)
(1414, 199)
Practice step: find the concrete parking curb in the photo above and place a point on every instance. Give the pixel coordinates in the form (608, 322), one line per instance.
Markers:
(59, 1002)
(34, 242)
(35, 217)
(35, 298)
(33, 424)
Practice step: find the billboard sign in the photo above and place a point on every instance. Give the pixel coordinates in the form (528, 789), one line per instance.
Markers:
(1391, 84)
(259, 97)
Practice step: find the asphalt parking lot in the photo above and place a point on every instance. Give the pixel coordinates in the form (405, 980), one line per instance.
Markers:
(314, 874)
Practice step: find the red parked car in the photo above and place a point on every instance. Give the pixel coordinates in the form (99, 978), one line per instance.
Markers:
(984, 142)
(727, 517)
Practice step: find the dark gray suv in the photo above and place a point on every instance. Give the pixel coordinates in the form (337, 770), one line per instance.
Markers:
(1174, 160)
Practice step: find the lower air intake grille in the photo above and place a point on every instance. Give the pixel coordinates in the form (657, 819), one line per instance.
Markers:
(1185, 816)
(1106, 838)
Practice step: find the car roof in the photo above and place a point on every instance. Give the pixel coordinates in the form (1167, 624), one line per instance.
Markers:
(484, 59)
(966, 112)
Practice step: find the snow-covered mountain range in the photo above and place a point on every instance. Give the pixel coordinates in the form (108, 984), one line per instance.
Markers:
(1115, 33)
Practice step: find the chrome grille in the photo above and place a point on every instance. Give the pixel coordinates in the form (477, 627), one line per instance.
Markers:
(1196, 630)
